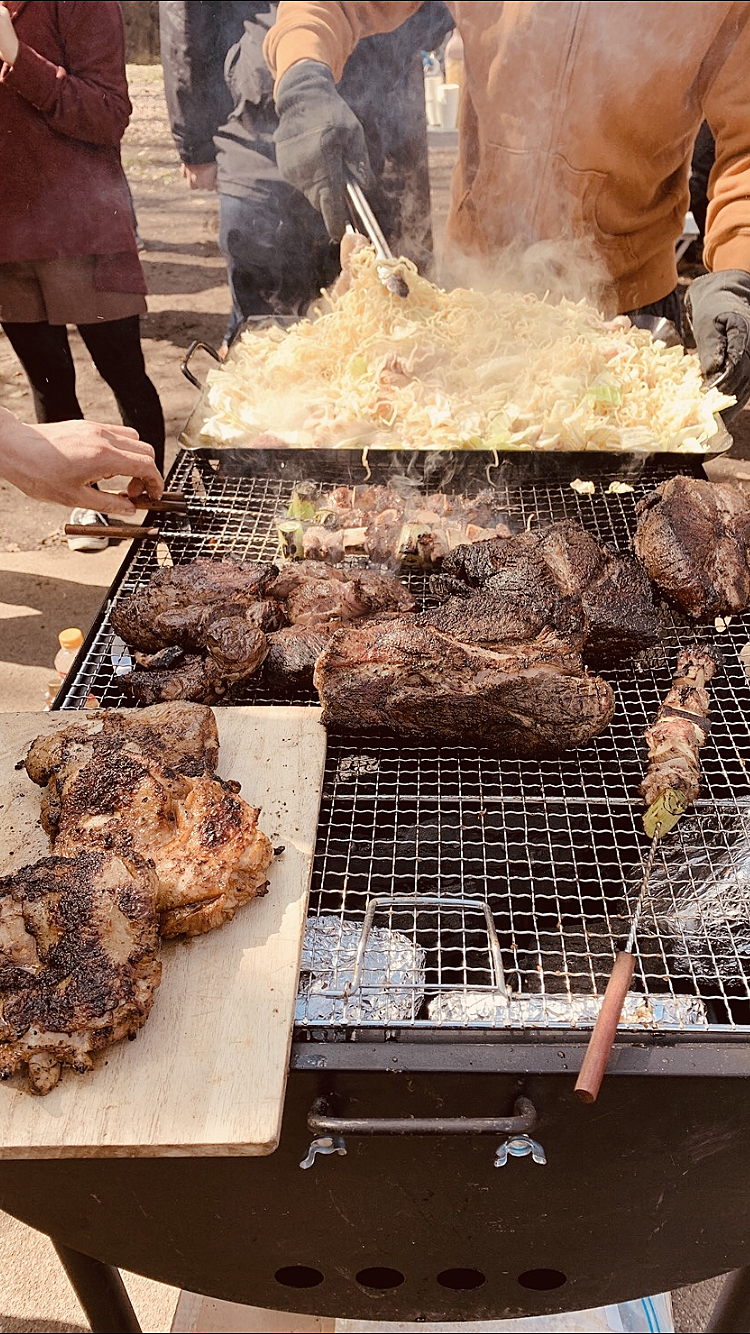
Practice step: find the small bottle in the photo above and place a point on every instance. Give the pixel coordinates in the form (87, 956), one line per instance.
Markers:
(433, 80)
(70, 642)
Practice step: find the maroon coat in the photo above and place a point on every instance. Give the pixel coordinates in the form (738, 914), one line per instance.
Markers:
(64, 108)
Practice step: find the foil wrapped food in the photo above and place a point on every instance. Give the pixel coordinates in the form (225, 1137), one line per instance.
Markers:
(537, 1011)
(699, 897)
(391, 981)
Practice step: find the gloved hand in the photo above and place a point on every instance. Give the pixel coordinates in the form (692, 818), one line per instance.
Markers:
(319, 142)
(718, 307)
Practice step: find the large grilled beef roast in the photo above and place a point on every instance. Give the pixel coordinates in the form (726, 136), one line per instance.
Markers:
(693, 537)
(529, 700)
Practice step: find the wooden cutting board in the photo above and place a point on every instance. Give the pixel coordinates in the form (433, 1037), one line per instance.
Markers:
(207, 1073)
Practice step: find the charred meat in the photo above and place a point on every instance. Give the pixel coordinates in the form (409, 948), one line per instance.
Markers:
(202, 838)
(293, 653)
(674, 740)
(693, 537)
(528, 700)
(169, 609)
(79, 961)
(181, 736)
(316, 594)
(559, 578)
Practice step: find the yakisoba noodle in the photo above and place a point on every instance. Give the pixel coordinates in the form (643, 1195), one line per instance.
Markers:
(460, 370)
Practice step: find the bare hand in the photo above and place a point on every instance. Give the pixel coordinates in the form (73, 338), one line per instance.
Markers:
(59, 463)
(199, 175)
(8, 39)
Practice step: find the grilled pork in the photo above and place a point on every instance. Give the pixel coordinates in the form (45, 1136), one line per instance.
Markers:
(79, 961)
(316, 594)
(528, 700)
(693, 537)
(558, 578)
(675, 738)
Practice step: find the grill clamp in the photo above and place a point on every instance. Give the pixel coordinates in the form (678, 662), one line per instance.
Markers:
(520, 1146)
(324, 1144)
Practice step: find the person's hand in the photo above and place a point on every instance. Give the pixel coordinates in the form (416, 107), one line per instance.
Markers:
(8, 38)
(718, 307)
(199, 175)
(319, 141)
(59, 462)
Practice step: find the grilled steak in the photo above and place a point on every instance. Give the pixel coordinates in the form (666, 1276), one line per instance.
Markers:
(190, 677)
(293, 652)
(694, 540)
(528, 700)
(169, 609)
(79, 961)
(316, 594)
(559, 578)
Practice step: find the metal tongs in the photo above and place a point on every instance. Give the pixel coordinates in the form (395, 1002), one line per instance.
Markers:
(368, 224)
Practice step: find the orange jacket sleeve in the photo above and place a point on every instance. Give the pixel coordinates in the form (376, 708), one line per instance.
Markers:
(727, 110)
(312, 30)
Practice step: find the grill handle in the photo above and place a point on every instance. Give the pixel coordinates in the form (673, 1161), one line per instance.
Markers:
(185, 365)
(321, 1122)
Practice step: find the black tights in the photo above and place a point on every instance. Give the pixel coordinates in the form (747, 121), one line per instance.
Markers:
(115, 346)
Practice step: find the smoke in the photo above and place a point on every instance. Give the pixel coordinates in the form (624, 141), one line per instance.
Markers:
(553, 269)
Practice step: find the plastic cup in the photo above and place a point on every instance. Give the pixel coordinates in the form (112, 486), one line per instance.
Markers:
(449, 96)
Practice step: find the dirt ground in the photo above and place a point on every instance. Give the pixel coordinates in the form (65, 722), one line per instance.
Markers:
(44, 587)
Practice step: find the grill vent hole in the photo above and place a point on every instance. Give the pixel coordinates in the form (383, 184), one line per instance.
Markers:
(380, 1277)
(461, 1280)
(542, 1280)
(298, 1276)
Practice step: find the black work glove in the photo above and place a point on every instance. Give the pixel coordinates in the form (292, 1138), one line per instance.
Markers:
(319, 142)
(718, 307)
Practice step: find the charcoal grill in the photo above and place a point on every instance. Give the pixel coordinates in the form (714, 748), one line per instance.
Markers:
(484, 866)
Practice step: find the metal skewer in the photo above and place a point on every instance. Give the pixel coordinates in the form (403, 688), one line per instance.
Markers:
(364, 216)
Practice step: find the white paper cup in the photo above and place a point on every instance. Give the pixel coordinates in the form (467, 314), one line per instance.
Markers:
(449, 96)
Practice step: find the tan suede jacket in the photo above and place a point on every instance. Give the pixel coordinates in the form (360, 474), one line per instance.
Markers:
(577, 120)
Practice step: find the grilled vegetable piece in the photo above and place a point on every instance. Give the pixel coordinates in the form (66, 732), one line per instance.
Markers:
(681, 727)
(693, 537)
(79, 961)
(528, 700)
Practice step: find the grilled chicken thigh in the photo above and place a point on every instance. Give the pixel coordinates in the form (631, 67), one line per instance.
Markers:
(202, 838)
(79, 961)
(180, 735)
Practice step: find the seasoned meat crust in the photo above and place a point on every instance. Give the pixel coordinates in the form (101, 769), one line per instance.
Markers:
(528, 700)
(79, 961)
(182, 736)
(169, 610)
(693, 537)
(202, 838)
(559, 578)
(317, 595)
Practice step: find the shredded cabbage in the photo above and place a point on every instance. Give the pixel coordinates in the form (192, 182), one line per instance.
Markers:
(459, 370)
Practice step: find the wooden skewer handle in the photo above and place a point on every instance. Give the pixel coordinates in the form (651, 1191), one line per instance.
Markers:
(108, 530)
(600, 1043)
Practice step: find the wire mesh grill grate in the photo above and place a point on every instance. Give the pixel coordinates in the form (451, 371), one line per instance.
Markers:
(552, 847)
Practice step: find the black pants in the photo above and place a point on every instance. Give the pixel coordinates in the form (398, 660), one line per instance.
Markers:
(115, 346)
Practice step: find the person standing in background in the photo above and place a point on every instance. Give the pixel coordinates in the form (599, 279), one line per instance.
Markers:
(220, 100)
(67, 246)
(577, 126)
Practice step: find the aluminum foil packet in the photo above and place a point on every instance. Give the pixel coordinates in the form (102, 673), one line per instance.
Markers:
(699, 897)
(391, 984)
(501, 1011)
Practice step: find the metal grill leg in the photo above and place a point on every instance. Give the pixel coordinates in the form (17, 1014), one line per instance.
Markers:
(101, 1292)
(731, 1314)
